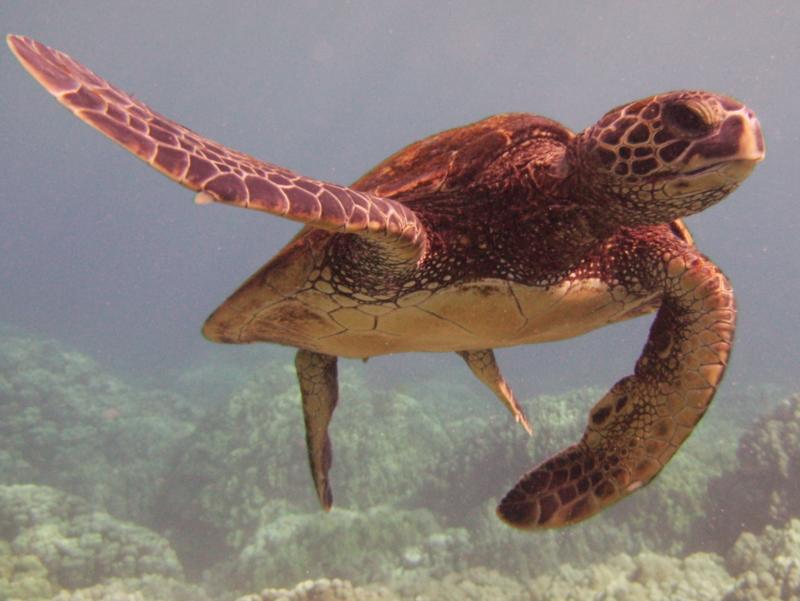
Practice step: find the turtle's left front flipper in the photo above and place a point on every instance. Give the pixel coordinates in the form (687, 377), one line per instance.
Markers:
(635, 428)
(216, 172)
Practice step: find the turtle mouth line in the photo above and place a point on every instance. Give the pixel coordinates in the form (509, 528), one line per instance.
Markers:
(734, 168)
(706, 169)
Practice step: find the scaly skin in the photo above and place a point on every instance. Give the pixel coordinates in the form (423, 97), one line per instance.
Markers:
(219, 173)
(635, 428)
(511, 230)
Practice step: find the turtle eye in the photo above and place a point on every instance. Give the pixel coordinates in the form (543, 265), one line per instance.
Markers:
(685, 119)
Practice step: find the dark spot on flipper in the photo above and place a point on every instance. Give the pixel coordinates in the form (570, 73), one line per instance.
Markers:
(559, 478)
(173, 161)
(601, 415)
(535, 482)
(517, 510)
(548, 506)
(621, 402)
(581, 509)
(604, 489)
(567, 494)
(83, 98)
(228, 187)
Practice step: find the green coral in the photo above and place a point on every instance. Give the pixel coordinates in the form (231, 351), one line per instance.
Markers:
(78, 546)
(698, 577)
(245, 466)
(246, 463)
(23, 577)
(473, 584)
(762, 489)
(416, 473)
(767, 566)
(323, 589)
(678, 495)
(483, 451)
(145, 588)
(65, 423)
(359, 545)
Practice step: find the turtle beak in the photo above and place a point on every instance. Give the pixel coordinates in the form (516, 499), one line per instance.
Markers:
(751, 144)
(752, 150)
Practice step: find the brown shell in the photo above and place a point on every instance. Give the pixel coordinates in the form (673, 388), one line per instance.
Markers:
(455, 158)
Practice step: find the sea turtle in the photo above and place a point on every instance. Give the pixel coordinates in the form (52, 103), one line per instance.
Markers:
(511, 230)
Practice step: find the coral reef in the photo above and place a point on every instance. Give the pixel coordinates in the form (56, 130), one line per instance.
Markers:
(767, 566)
(23, 576)
(647, 576)
(362, 546)
(473, 584)
(246, 465)
(146, 588)
(79, 547)
(484, 450)
(763, 488)
(415, 475)
(65, 423)
(678, 495)
(323, 590)
(758, 568)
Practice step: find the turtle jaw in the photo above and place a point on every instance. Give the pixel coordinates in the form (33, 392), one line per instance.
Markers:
(705, 172)
(723, 176)
(734, 152)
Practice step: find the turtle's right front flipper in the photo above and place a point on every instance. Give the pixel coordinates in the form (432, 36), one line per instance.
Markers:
(638, 426)
(216, 172)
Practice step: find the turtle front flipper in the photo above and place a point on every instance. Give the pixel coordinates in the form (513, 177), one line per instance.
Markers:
(319, 389)
(484, 366)
(216, 172)
(635, 428)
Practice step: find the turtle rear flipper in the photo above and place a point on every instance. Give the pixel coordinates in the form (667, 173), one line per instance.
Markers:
(484, 366)
(635, 428)
(319, 389)
(216, 172)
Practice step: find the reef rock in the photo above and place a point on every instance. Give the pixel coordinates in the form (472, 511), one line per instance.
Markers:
(323, 590)
(246, 463)
(23, 576)
(763, 490)
(356, 545)
(767, 566)
(67, 424)
(644, 577)
(473, 584)
(78, 546)
(146, 588)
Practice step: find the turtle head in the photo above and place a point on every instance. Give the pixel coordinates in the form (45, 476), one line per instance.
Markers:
(668, 156)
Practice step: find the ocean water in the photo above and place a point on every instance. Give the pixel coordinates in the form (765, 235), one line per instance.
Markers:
(137, 458)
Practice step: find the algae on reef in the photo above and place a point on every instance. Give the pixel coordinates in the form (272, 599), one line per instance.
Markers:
(415, 480)
(65, 423)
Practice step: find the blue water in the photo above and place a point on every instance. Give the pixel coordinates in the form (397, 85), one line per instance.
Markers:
(116, 264)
